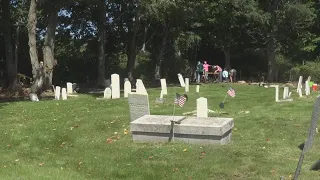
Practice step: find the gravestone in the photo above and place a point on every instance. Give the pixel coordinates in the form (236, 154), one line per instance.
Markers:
(138, 105)
(285, 92)
(115, 85)
(127, 88)
(307, 88)
(140, 89)
(64, 94)
(299, 84)
(309, 78)
(126, 79)
(187, 85)
(277, 95)
(74, 87)
(202, 107)
(57, 93)
(182, 84)
(33, 97)
(160, 100)
(107, 94)
(309, 142)
(69, 88)
(197, 88)
(164, 86)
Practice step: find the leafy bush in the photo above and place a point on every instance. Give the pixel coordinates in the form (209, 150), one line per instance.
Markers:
(308, 69)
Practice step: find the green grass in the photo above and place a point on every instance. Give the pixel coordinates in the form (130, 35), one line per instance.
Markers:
(67, 139)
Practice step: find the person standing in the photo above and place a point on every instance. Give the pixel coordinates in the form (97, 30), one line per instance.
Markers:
(233, 74)
(199, 71)
(218, 70)
(225, 75)
(206, 70)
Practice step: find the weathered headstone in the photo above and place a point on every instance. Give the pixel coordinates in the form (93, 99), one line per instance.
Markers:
(160, 100)
(140, 89)
(164, 86)
(107, 94)
(138, 105)
(115, 83)
(312, 132)
(277, 93)
(309, 78)
(33, 97)
(126, 79)
(69, 88)
(64, 94)
(299, 84)
(127, 88)
(57, 93)
(307, 88)
(197, 88)
(202, 107)
(180, 77)
(187, 85)
(285, 92)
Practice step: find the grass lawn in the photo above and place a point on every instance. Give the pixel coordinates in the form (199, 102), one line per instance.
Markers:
(71, 139)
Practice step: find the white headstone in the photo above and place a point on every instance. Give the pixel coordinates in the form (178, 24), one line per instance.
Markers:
(289, 96)
(127, 88)
(138, 105)
(164, 86)
(309, 78)
(187, 85)
(180, 77)
(126, 79)
(300, 92)
(140, 89)
(69, 88)
(202, 107)
(33, 97)
(299, 84)
(161, 95)
(57, 93)
(285, 92)
(277, 93)
(115, 84)
(198, 88)
(64, 94)
(107, 93)
(307, 88)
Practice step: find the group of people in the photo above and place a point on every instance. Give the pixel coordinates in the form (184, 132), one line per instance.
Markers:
(202, 71)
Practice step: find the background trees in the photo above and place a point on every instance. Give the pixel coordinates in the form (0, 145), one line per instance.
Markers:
(86, 41)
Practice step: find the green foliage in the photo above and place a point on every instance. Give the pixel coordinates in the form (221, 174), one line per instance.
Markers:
(310, 68)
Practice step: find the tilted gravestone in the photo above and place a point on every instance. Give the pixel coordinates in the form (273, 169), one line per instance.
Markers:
(309, 142)
(138, 105)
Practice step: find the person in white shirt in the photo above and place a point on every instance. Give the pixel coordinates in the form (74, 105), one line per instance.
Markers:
(225, 75)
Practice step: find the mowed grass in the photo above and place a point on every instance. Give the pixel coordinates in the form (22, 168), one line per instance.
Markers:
(68, 139)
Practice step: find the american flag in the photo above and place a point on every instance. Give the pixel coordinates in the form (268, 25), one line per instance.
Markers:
(231, 92)
(180, 100)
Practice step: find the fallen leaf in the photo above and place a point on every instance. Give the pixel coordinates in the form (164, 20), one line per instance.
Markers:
(203, 152)
(118, 137)
(115, 132)
(62, 144)
(16, 160)
(109, 140)
(268, 140)
(75, 126)
(185, 150)
(201, 157)
(41, 164)
(175, 169)
(8, 145)
(125, 131)
(150, 157)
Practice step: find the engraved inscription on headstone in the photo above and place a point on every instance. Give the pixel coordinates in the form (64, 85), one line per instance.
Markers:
(138, 105)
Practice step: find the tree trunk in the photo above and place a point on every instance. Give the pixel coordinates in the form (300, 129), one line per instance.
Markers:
(227, 58)
(16, 45)
(271, 60)
(102, 38)
(37, 74)
(132, 50)
(10, 62)
(48, 48)
(157, 71)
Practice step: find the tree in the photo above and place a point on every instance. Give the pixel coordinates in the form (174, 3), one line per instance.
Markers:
(10, 60)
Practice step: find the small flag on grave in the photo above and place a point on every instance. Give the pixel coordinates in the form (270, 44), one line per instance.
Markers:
(180, 100)
(231, 92)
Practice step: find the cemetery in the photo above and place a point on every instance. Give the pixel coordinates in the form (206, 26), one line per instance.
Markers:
(150, 89)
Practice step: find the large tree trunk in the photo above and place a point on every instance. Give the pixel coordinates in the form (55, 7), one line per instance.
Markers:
(48, 48)
(132, 50)
(37, 73)
(10, 61)
(102, 38)
(227, 58)
(157, 71)
(271, 60)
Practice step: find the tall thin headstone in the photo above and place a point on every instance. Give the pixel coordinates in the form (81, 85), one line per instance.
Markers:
(164, 86)
(307, 88)
(180, 77)
(138, 105)
(140, 88)
(277, 93)
(64, 94)
(57, 93)
(187, 85)
(115, 85)
(127, 88)
(197, 88)
(69, 88)
(202, 107)
(299, 84)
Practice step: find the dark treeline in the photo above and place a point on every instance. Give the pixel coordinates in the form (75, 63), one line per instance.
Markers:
(85, 41)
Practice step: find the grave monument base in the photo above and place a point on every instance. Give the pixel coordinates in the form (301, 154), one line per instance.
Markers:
(194, 130)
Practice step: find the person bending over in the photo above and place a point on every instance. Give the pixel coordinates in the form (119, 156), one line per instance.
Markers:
(218, 70)
(233, 74)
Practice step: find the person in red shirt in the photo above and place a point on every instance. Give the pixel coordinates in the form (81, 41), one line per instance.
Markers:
(218, 70)
(206, 70)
